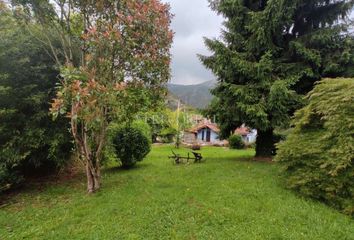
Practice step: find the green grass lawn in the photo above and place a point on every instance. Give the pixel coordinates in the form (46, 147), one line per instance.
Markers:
(227, 197)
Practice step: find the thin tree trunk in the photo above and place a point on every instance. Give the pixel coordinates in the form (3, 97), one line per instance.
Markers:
(97, 180)
(93, 174)
(265, 144)
(96, 173)
(90, 180)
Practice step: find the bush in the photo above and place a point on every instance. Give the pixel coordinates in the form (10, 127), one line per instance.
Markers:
(317, 155)
(236, 142)
(144, 128)
(109, 152)
(131, 146)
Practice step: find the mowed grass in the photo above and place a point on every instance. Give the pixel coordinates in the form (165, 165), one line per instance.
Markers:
(227, 197)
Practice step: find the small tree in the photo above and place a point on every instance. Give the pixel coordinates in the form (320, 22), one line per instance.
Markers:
(126, 59)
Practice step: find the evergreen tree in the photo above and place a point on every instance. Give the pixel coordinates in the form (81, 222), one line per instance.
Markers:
(270, 54)
(30, 142)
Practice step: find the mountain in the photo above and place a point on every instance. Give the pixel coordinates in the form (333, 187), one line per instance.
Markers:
(198, 95)
(172, 103)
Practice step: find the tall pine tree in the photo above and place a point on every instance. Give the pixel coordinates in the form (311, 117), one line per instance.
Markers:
(271, 53)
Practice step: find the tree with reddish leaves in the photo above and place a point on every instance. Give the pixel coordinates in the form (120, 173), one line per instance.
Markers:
(126, 61)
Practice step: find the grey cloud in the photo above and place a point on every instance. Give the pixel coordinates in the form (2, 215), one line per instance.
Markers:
(193, 20)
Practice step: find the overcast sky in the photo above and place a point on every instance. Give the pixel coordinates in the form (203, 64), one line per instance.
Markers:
(192, 21)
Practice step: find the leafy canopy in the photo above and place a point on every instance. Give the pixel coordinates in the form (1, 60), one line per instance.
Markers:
(125, 65)
(29, 140)
(318, 155)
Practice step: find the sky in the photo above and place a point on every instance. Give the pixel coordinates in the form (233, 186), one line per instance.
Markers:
(193, 20)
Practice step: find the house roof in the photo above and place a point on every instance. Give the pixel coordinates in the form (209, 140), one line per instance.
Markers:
(243, 131)
(211, 126)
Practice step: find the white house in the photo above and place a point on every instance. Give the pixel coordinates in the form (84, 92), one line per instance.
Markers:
(248, 135)
(208, 133)
(205, 132)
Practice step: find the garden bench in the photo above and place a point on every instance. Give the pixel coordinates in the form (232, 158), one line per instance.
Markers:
(197, 156)
(179, 159)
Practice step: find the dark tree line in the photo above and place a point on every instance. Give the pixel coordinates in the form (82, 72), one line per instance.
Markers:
(30, 142)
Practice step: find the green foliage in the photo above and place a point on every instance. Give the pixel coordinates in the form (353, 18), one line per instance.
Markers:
(236, 142)
(144, 128)
(165, 123)
(131, 146)
(168, 134)
(109, 155)
(318, 154)
(270, 54)
(9, 177)
(157, 119)
(126, 62)
(109, 152)
(29, 141)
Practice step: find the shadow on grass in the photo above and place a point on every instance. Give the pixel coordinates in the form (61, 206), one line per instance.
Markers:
(233, 159)
(35, 186)
(119, 169)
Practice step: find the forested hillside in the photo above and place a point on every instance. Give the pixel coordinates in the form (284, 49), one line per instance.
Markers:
(198, 96)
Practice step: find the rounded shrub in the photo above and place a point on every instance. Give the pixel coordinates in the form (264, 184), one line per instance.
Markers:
(317, 156)
(144, 128)
(131, 145)
(236, 142)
